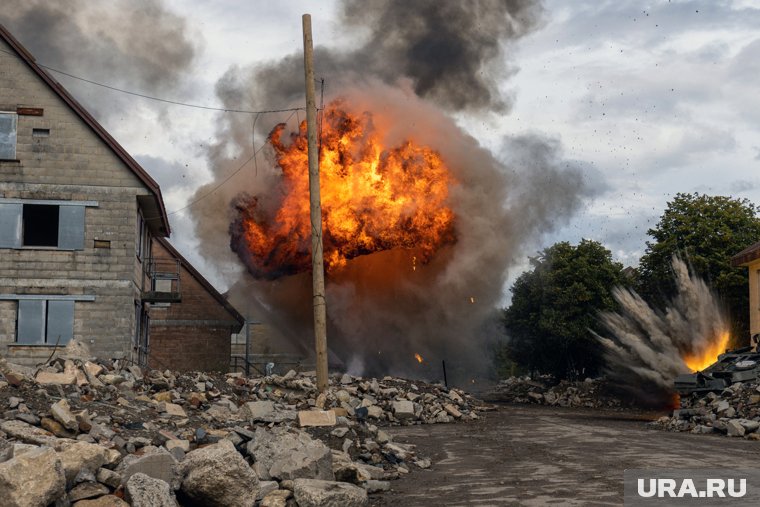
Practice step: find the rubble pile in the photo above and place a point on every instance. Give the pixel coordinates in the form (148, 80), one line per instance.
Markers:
(543, 390)
(89, 433)
(734, 412)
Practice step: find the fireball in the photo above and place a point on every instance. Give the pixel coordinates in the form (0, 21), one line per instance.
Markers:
(374, 198)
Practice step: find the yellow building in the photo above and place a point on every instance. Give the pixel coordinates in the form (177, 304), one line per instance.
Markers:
(750, 258)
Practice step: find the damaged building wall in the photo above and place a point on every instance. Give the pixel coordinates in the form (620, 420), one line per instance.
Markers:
(194, 333)
(62, 171)
(750, 258)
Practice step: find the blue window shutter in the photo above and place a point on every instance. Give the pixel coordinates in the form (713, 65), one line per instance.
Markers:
(8, 136)
(60, 322)
(71, 228)
(31, 321)
(10, 225)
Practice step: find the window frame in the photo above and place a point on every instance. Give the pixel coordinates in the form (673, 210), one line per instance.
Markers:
(49, 309)
(13, 135)
(72, 298)
(71, 223)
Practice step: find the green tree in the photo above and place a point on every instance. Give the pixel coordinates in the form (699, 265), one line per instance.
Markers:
(556, 303)
(706, 231)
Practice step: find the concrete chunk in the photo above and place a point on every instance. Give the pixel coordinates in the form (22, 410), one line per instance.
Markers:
(144, 491)
(316, 493)
(61, 412)
(34, 478)
(218, 476)
(316, 418)
(403, 409)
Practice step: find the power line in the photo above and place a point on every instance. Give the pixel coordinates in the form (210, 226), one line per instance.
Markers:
(292, 111)
(225, 180)
(173, 102)
(159, 99)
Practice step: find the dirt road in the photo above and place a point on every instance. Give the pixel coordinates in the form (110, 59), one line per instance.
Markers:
(533, 455)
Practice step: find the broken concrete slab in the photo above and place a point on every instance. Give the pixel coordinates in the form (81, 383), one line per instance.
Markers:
(278, 498)
(218, 476)
(308, 418)
(159, 464)
(317, 493)
(286, 453)
(258, 410)
(27, 433)
(85, 490)
(403, 409)
(735, 428)
(61, 412)
(68, 377)
(34, 478)
(77, 456)
(144, 491)
(174, 410)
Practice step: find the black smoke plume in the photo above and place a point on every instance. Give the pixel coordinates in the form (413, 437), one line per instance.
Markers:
(416, 62)
(134, 44)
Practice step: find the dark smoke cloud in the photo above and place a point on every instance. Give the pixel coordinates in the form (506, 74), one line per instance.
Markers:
(136, 44)
(380, 310)
(452, 53)
(418, 60)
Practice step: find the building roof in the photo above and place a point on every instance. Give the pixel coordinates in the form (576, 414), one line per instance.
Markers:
(160, 222)
(746, 256)
(205, 283)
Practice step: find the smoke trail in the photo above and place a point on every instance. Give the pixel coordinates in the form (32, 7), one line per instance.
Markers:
(647, 347)
(137, 44)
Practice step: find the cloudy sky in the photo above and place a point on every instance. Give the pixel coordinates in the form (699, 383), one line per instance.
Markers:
(647, 98)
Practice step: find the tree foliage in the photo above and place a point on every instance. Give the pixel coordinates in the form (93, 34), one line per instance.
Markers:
(706, 231)
(556, 303)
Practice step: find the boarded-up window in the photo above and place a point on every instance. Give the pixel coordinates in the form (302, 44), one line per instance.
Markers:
(42, 225)
(8, 136)
(60, 322)
(31, 322)
(71, 228)
(43, 322)
(10, 225)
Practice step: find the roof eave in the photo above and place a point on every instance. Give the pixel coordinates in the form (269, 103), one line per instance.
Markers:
(91, 122)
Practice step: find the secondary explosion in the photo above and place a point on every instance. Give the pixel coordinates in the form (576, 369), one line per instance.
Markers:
(374, 198)
(649, 348)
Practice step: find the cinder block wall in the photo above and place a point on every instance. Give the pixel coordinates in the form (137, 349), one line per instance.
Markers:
(72, 163)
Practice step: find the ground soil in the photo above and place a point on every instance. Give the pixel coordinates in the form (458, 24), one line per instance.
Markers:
(538, 455)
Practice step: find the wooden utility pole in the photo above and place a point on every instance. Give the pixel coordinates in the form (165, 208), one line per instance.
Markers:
(317, 262)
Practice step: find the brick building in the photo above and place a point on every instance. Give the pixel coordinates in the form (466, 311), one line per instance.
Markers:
(77, 218)
(750, 258)
(194, 334)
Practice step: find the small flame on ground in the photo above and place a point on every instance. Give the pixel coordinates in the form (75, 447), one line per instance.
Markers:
(698, 362)
(414, 263)
(472, 299)
(418, 358)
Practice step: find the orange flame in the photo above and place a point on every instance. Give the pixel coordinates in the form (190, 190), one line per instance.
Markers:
(698, 362)
(418, 358)
(374, 198)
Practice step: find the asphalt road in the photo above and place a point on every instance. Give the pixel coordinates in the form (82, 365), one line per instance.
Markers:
(534, 455)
